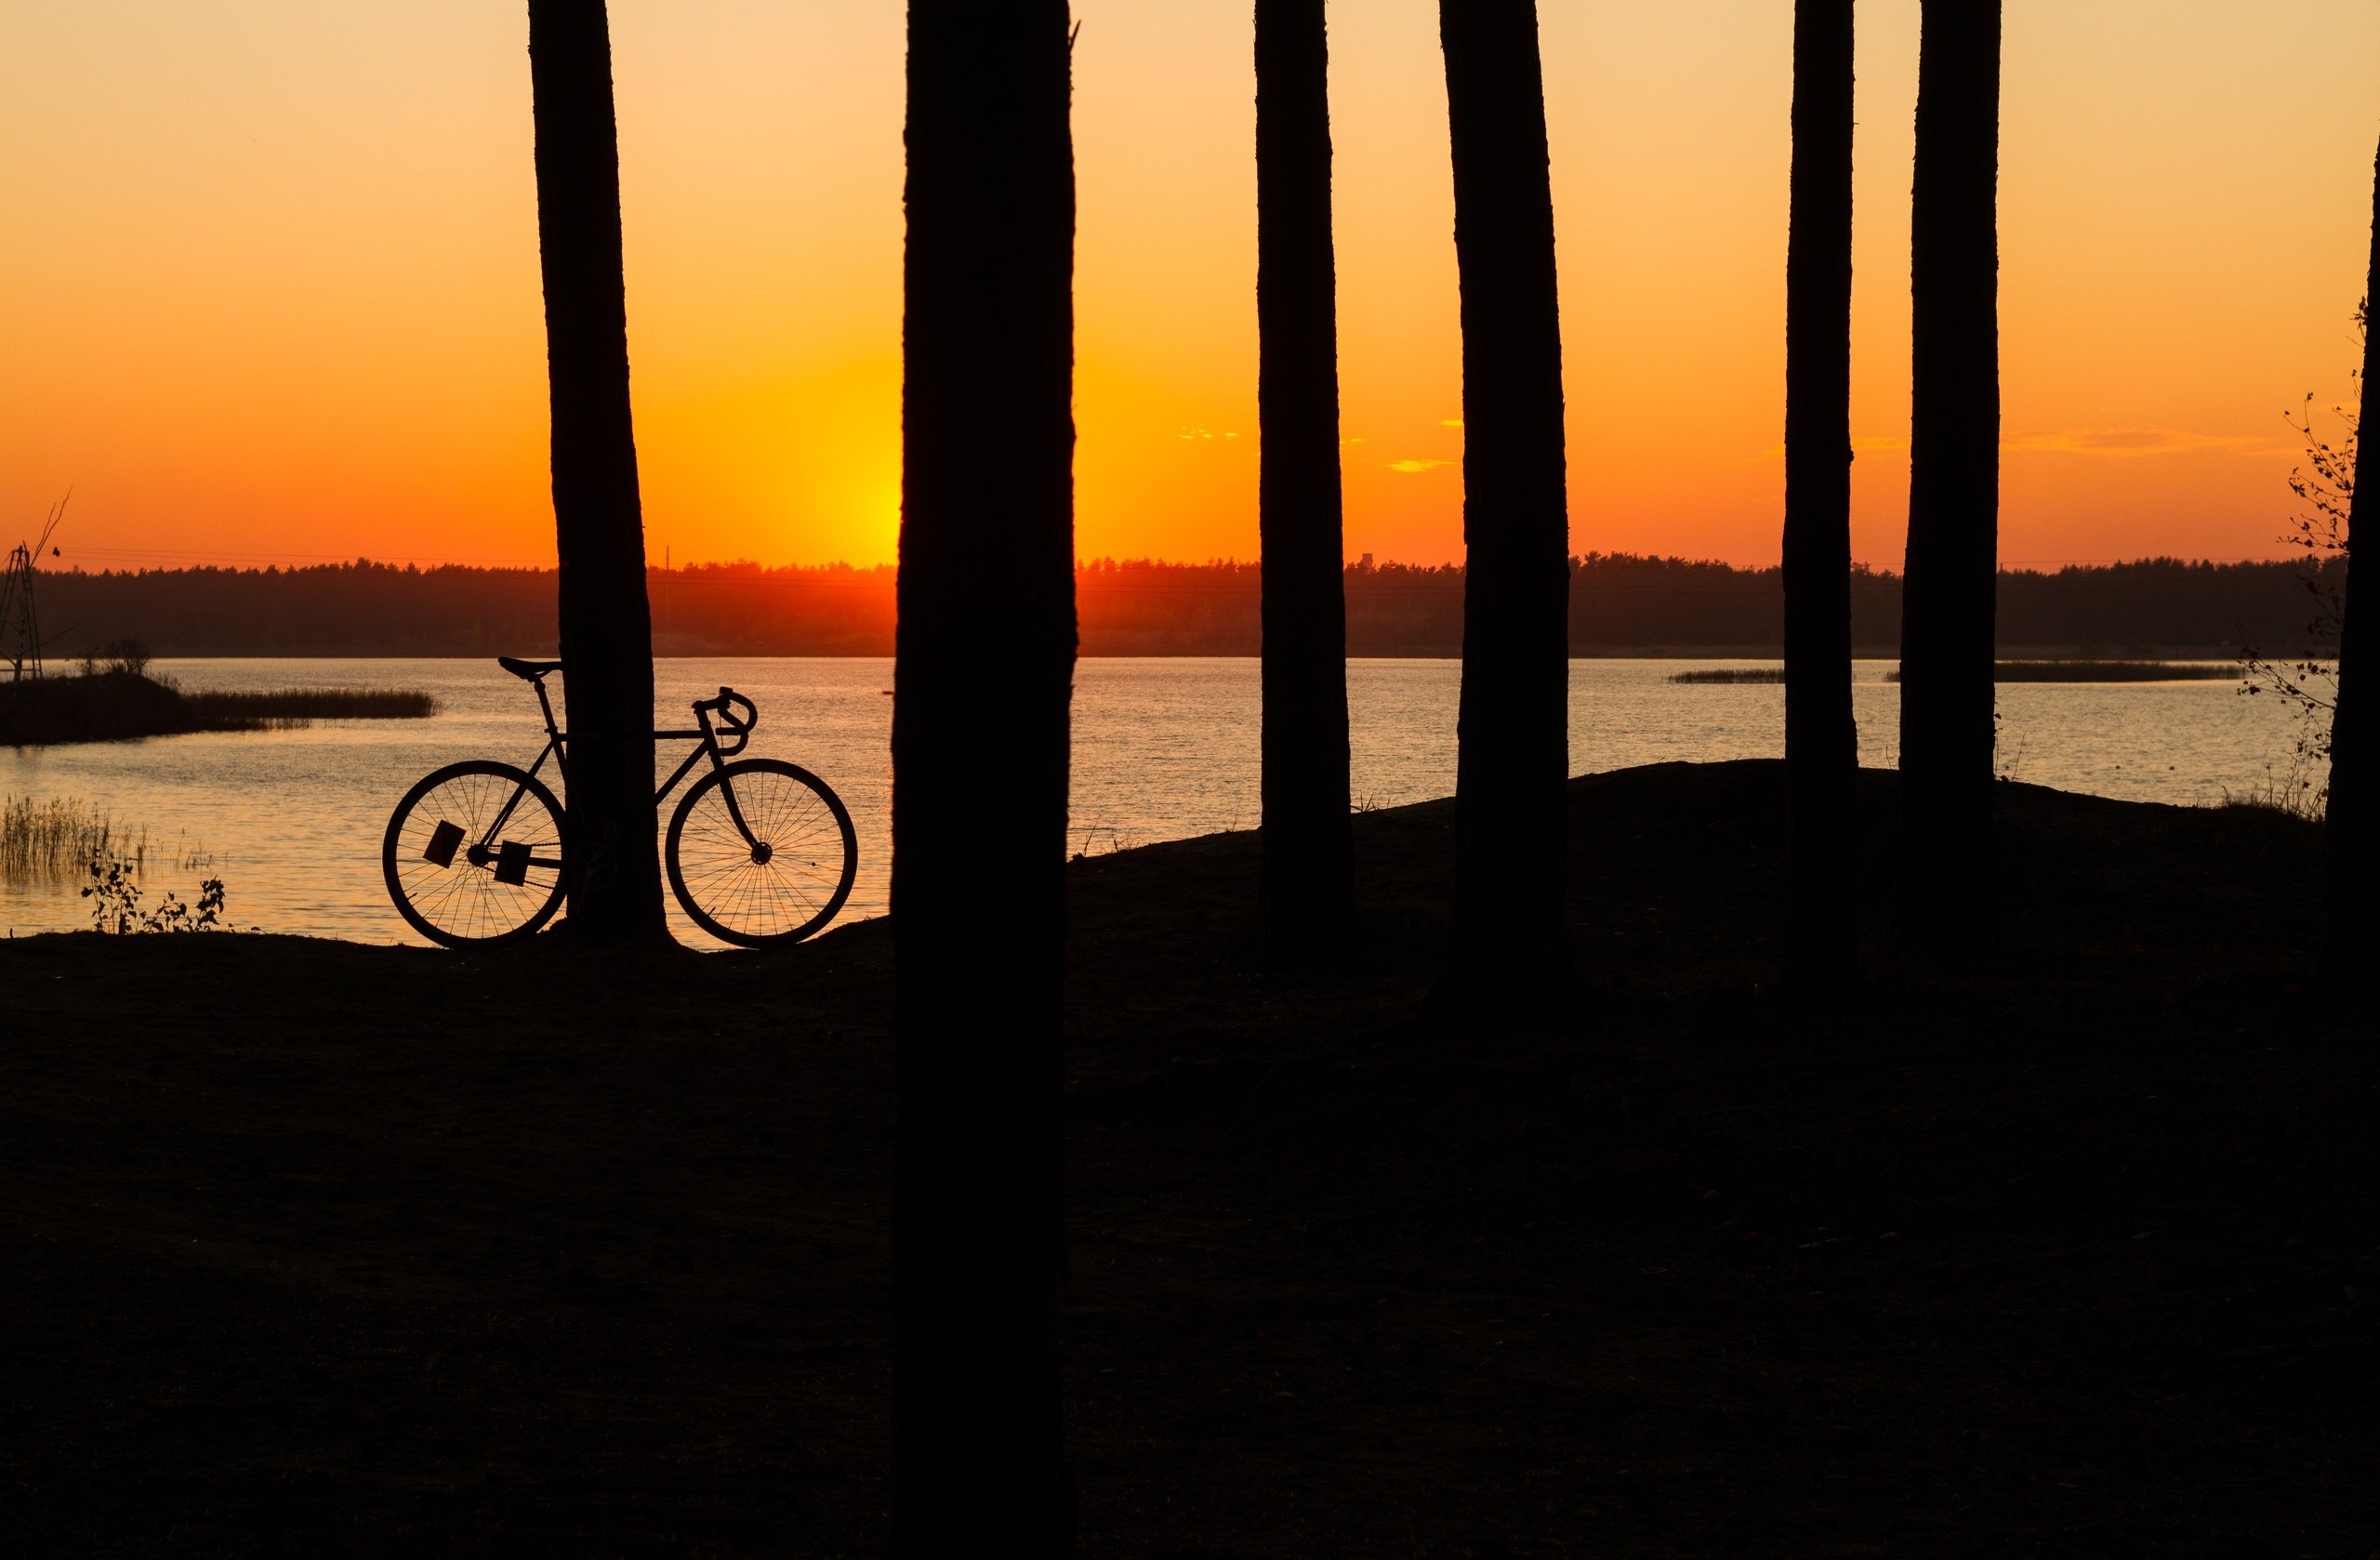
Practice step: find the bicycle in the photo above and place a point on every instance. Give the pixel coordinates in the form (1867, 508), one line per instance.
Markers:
(760, 853)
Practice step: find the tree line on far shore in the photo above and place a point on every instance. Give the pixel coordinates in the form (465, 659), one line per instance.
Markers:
(1619, 603)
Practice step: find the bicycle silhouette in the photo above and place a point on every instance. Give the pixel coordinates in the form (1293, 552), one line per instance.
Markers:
(760, 853)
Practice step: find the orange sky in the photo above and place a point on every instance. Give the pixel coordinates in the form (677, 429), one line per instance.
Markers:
(270, 289)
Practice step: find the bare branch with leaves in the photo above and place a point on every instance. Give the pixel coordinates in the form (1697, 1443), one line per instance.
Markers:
(2325, 487)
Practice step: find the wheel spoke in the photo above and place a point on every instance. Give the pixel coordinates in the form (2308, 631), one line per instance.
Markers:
(808, 851)
(463, 902)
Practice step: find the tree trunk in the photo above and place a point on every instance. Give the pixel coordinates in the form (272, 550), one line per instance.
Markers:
(2354, 914)
(1948, 600)
(1308, 889)
(1821, 737)
(1512, 759)
(985, 647)
(599, 520)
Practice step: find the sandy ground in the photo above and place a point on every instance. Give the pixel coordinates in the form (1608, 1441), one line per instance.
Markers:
(314, 1247)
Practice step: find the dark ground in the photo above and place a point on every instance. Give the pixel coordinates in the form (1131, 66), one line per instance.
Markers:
(326, 1249)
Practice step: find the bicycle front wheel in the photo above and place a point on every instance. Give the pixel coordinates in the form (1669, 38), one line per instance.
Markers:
(473, 855)
(761, 852)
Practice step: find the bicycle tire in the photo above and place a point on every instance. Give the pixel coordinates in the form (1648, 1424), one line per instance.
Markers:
(469, 912)
(758, 902)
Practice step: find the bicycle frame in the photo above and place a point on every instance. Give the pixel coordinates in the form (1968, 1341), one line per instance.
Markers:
(707, 745)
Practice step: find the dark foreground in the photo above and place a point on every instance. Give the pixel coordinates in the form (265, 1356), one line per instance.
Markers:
(328, 1248)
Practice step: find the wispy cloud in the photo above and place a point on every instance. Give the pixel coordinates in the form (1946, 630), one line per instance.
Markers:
(1450, 422)
(2135, 441)
(1875, 443)
(1412, 468)
(2115, 441)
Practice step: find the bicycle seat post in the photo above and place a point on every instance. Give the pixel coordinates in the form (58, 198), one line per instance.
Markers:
(546, 704)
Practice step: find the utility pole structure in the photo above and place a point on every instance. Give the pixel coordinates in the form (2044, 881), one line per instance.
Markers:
(19, 624)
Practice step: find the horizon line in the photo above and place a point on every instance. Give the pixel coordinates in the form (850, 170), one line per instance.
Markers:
(130, 560)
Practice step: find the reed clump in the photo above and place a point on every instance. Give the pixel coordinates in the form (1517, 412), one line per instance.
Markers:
(1725, 676)
(116, 702)
(284, 707)
(50, 841)
(2106, 671)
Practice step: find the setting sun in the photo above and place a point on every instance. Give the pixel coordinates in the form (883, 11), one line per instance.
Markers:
(276, 293)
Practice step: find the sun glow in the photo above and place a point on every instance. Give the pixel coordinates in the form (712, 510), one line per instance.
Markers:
(283, 302)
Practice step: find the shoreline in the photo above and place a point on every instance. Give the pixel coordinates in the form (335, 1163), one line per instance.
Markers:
(2196, 654)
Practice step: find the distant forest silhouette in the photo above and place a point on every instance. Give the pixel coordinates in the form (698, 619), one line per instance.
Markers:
(1619, 603)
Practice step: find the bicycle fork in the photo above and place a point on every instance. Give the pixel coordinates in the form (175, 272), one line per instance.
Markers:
(709, 749)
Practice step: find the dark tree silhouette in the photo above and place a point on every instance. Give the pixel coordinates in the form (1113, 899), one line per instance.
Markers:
(1822, 738)
(1308, 840)
(1513, 756)
(2347, 817)
(599, 520)
(1948, 598)
(979, 777)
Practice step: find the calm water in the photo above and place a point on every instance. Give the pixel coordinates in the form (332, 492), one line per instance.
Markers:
(1163, 750)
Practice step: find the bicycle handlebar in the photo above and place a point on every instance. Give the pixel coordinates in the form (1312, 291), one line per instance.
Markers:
(737, 716)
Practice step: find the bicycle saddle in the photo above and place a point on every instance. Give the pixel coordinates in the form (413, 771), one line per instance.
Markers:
(530, 671)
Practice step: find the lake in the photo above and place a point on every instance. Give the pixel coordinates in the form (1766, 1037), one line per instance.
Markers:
(1163, 750)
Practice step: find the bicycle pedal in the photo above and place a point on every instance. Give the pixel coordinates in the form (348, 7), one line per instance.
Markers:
(444, 841)
(513, 862)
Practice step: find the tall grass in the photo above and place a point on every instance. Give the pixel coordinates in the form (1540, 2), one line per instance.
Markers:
(1722, 676)
(2300, 788)
(2107, 671)
(51, 842)
(114, 703)
(2017, 671)
(286, 708)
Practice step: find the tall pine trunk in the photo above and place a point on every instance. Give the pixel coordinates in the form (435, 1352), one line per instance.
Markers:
(1821, 737)
(1308, 888)
(1513, 756)
(986, 650)
(1948, 600)
(599, 519)
(2353, 844)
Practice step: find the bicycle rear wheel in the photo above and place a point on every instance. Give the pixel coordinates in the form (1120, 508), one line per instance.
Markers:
(779, 876)
(458, 875)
